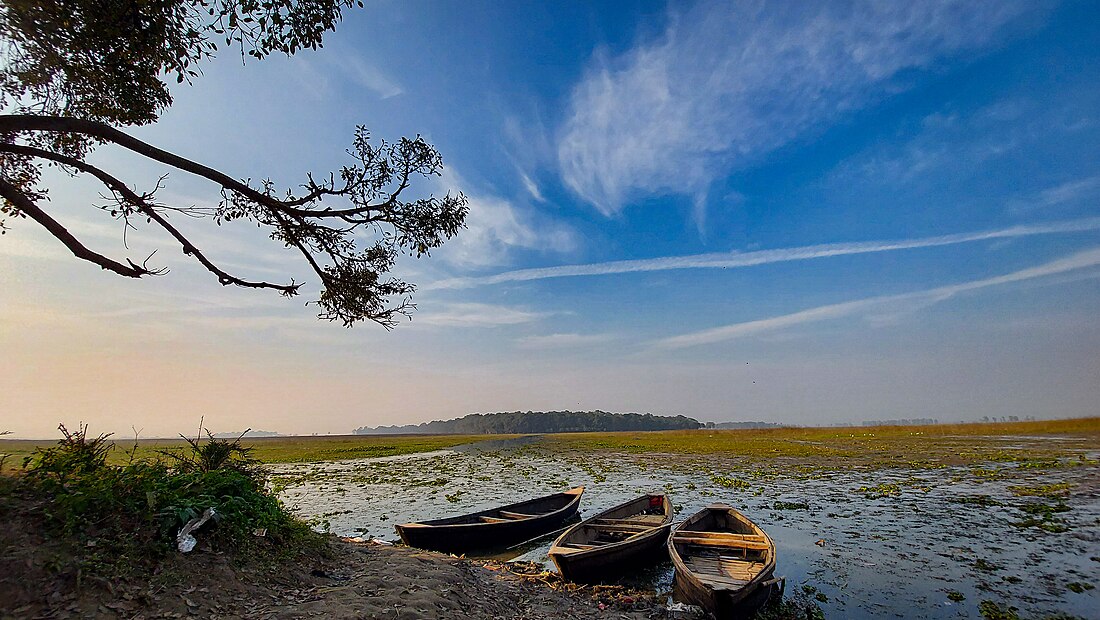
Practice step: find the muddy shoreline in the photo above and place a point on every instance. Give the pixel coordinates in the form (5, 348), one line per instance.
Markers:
(350, 580)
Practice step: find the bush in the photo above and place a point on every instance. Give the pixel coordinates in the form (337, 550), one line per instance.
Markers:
(123, 516)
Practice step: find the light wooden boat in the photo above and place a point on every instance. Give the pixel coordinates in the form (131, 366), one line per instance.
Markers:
(494, 528)
(603, 547)
(724, 562)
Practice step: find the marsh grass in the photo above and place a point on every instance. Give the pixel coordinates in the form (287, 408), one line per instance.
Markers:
(882, 447)
(267, 449)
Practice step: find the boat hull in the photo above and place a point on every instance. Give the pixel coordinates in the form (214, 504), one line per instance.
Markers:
(455, 536)
(614, 563)
(610, 562)
(722, 530)
(722, 604)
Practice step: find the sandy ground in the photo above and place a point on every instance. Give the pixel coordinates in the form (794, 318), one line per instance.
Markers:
(355, 580)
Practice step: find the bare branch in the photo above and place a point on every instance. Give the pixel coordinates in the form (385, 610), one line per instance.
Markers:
(31, 210)
(141, 204)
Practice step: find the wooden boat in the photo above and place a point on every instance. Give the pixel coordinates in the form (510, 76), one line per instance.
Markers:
(724, 562)
(494, 528)
(601, 547)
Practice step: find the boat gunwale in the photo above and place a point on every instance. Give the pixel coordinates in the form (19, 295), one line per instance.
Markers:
(576, 492)
(614, 546)
(736, 593)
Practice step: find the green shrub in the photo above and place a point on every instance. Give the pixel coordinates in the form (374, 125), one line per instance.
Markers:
(120, 516)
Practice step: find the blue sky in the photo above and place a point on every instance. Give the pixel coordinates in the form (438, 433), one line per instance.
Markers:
(809, 214)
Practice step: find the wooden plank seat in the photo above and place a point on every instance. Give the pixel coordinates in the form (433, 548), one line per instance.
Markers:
(625, 529)
(721, 539)
(515, 515)
(729, 536)
(492, 520)
(710, 542)
(643, 520)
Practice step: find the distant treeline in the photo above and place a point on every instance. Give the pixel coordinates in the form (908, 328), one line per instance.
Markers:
(248, 433)
(744, 425)
(539, 422)
(902, 422)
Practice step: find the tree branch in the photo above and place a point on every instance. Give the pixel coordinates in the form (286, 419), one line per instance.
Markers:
(11, 123)
(142, 205)
(31, 210)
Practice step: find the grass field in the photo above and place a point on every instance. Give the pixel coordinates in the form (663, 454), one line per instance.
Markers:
(827, 447)
(273, 449)
(878, 446)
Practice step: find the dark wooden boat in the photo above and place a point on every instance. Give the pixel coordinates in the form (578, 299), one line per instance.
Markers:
(602, 547)
(724, 562)
(494, 528)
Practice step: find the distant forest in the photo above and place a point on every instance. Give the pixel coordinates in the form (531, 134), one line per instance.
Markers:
(539, 422)
(721, 425)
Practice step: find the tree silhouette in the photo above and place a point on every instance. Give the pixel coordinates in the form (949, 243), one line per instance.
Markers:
(76, 71)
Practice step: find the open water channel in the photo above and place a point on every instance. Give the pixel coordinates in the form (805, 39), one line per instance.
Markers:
(907, 543)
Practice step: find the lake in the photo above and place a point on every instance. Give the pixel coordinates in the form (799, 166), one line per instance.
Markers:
(863, 539)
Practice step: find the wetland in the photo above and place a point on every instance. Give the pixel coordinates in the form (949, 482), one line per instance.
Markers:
(963, 521)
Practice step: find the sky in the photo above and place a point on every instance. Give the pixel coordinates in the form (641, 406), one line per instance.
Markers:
(805, 213)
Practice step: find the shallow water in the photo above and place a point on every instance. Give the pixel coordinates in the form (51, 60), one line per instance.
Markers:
(872, 543)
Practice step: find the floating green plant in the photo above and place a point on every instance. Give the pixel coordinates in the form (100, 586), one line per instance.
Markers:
(992, 611)
(1079, 586)
(880, 490)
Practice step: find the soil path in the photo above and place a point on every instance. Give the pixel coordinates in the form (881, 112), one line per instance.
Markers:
(355, 580)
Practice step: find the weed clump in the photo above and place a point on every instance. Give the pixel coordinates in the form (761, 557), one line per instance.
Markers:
(124, 518)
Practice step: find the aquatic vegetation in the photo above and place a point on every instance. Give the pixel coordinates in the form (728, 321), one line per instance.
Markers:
(975, 500)
(880, 490)
(728, 482)
(1079, 587)
(955, 596)
(992, 611)
(453, 497)
(969, 513)
(1050, 491)
(1042, 516)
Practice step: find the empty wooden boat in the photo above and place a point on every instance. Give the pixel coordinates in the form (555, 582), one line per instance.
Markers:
(724, 562)
(602, 547)
(493, 528)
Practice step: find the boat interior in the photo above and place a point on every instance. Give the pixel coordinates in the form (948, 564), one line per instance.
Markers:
(623, 523)
(514, 512)
(723, 549)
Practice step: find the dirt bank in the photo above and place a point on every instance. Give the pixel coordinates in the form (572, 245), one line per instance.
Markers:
(349, 580)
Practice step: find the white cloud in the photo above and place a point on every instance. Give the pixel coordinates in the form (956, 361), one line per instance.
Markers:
(531, 187)
(477, 315)
(730, 260)
(729, 82)
(904, 302)
(563, 341)
(495, 227)
(1071, 191)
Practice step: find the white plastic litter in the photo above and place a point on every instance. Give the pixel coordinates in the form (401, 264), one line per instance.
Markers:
(185, 542)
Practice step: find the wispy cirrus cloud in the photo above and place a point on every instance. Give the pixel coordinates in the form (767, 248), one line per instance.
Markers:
(1070, 191)
(563, 341)
(477, 315)
(496, 226)
(905, 301)
(727, 260)
(728, 83)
